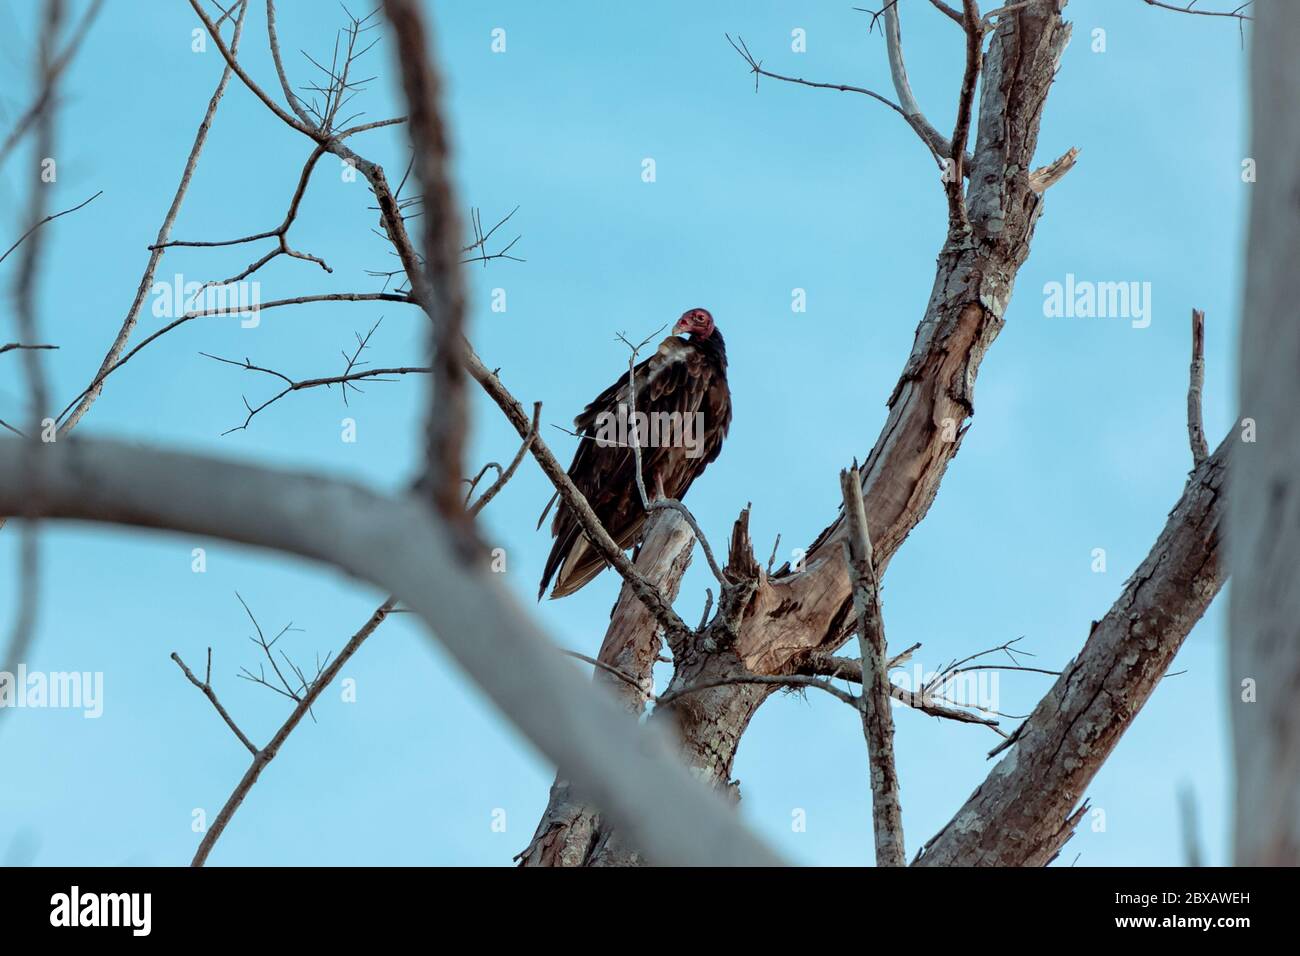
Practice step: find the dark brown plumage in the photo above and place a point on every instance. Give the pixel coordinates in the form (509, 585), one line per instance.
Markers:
(682, 392)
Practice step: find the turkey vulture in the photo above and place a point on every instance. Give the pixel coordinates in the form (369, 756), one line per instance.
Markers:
(683, 409)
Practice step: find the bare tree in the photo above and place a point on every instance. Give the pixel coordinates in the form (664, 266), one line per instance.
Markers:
(627, 792)
(791, 620)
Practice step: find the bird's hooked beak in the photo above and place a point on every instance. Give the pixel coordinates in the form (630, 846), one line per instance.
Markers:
(680, 327)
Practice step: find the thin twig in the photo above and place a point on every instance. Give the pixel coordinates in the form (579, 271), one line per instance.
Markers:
(708, 606)
(205, 313)
(206, 687)
(345, 380)
(279, 233)
(1196, 382)
(756, 67)
(954, 183)
(772, 558)
(268, 753)
(621, 675)
(1234, 13)
(506, 475)
(850, 669)
(50, 218)
(786, 680)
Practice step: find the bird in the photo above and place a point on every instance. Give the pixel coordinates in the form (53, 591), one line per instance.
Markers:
(682, 413)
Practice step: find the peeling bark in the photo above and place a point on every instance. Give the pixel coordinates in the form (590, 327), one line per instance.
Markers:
(795, 614)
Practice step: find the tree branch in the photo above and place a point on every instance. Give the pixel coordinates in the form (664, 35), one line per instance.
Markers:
(1196, 381)
(1025, 809)
(92, 389)
(630, 772)
(46, 91)
(261, 758)
(205, 686)
(50, 218)
(515, 462)
(442, 293)
(756, 67)
(390, 213)
(1235, 13)
(874, 706)
(118, 345)
(296, 385)
(797, 613)
(955, 182)
(911, 110)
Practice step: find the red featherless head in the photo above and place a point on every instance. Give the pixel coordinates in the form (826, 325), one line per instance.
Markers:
(696, 321)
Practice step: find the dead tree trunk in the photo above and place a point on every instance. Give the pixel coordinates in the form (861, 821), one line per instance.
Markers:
(1264, 644)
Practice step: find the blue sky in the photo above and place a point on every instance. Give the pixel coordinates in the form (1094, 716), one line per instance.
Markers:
(1078, 441)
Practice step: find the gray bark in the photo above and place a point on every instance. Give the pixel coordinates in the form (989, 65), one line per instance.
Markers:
(571, 828)
(1264, 618)
(400, 545)
(874, 704)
